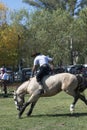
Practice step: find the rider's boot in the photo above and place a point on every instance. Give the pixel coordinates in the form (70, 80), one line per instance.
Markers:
(41, 88)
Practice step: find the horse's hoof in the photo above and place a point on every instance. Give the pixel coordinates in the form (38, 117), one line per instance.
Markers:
(28, 114)
(19, 116)
(72, 112)
(72, 109)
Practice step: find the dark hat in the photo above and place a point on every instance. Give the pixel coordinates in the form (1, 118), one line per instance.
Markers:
(3, 69)
(34, 54)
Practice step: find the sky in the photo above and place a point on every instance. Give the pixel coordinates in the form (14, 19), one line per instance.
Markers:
(15, 4)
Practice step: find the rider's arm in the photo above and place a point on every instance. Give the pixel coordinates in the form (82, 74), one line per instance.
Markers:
(33, 70)
(51, 63)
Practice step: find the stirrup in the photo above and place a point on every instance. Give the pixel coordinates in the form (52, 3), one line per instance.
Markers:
(41, 91)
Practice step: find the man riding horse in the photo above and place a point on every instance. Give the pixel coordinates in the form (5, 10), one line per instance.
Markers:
(44, 69)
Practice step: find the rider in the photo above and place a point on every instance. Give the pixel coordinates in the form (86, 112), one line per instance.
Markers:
(44, 67)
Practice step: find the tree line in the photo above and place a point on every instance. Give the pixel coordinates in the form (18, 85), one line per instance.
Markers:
(56, 28)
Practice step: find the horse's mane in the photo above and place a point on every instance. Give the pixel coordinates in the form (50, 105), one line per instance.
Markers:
(23, 86)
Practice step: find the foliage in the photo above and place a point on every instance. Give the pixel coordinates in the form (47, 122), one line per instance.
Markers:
(83, 30)
(49, 30)
(12, 39)
(48, 4)
(7, 47)
(3, 11)
(73, 6)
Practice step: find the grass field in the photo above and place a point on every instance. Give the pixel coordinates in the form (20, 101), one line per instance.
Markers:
(51, 113)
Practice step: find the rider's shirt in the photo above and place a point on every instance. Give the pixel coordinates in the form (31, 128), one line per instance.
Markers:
(41, 60)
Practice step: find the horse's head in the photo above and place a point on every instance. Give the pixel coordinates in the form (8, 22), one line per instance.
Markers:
(19, 101)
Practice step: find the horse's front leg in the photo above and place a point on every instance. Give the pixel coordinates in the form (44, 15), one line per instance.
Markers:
(34, 97)
(31, 109)
(23, 109)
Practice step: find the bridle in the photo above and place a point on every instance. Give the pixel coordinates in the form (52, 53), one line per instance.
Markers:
(18, 106)
(19, 99)
(15, 100)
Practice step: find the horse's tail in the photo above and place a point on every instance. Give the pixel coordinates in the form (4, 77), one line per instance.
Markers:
(82, 83)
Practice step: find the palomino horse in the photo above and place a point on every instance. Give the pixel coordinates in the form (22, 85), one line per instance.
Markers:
(53, 84)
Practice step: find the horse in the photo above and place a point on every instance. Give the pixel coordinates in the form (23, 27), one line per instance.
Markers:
(53, 84)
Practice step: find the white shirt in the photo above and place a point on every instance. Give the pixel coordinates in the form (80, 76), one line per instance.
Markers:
(5, 76)
(1, 75)
(41, 60)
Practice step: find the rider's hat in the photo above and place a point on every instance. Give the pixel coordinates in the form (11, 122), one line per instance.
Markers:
(2, 69)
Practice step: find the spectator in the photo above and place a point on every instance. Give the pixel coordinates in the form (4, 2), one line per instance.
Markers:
(4, 77)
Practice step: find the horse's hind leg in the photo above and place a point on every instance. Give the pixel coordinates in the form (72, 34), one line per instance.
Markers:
(78, 96)
(75, 94)
(72, 106)
(82, 97)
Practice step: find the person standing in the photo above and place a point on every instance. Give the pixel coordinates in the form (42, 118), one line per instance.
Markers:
(4, 77)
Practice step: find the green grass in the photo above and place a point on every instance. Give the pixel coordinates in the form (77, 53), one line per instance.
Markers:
(51, 113)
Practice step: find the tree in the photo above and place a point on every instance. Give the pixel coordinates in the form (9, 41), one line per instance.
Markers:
(19, 21)
(73, 6)
(3, 11)
(83, 30)
(47, 32)
(78, 32)
(10, 51)
(48, 4)
(8, 46)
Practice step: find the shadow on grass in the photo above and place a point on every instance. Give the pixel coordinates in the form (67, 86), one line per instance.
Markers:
(60, 115)
(9, 95)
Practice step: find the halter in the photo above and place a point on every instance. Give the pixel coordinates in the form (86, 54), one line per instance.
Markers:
(15, 100)
(18, 106)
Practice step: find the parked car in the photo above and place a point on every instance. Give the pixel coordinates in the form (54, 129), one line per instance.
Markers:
(67, 68)
(26, 73)
(85, 70)
(59, 70)
(77, 69)
(17, 77)
(11, 76)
